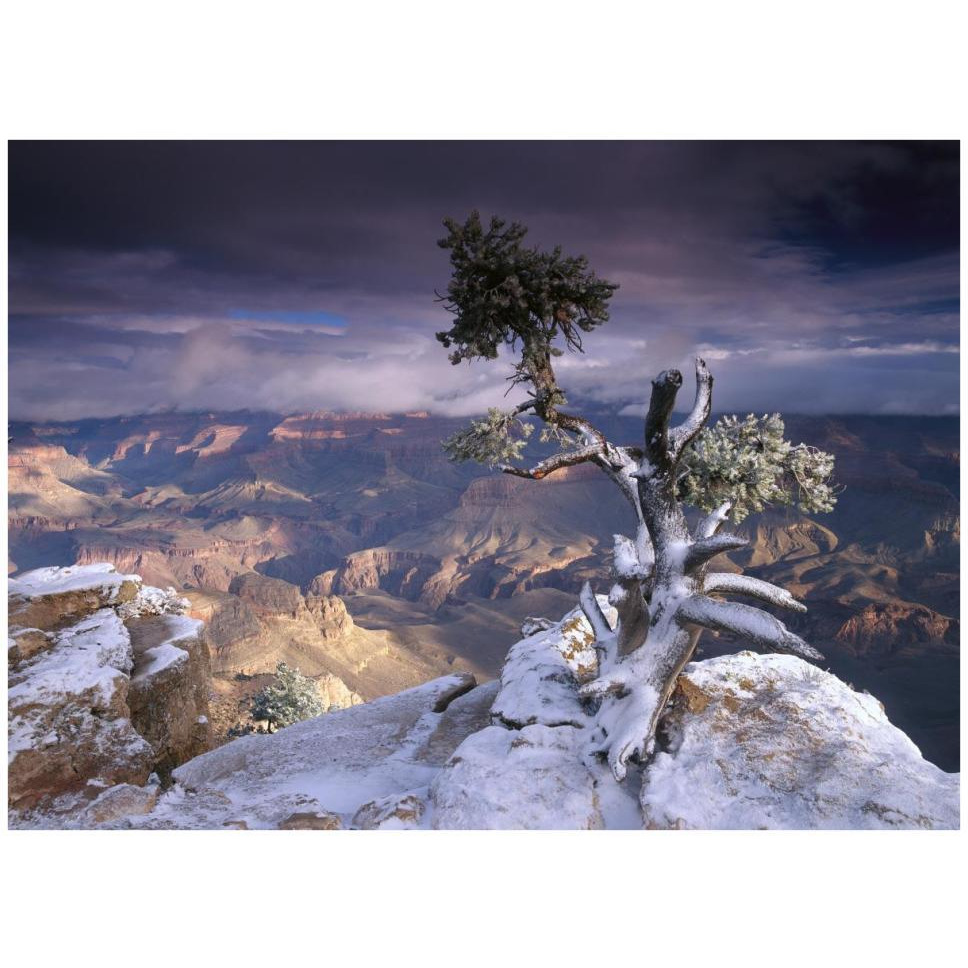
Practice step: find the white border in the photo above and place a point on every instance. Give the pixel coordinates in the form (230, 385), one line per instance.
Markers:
(516, 70)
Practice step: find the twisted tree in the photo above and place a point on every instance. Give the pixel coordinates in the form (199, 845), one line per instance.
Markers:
(503, 294)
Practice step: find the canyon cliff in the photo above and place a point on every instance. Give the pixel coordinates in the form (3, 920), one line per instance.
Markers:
(108, 685)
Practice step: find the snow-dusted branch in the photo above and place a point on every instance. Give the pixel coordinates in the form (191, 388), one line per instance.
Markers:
(685, 433)
(756, 626)
(705, 549)
(630, 560)
(730, 584)
(661, 589)
(712, 522)
(594, 614)
(554, 463)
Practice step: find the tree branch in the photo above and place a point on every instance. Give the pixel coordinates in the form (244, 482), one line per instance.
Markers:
(579, 425)
(750, 623)
(594, 614)
(554, 463)
(730, 584)
(685, 433)
(707, 548)
(711, 523)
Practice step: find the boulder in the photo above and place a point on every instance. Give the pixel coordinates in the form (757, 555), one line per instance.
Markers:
(769, 741)
(119, 802)
(542, 673)
(532, 625)
(399, 811)
(311, 820)
(24, 644)
(95, 702)
(69, 721)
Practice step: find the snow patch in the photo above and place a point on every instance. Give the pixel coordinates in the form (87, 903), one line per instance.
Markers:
(58, 581)
(167, 654)
(87, 656)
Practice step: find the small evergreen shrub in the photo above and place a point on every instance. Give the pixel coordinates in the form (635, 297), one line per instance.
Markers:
(290, 699)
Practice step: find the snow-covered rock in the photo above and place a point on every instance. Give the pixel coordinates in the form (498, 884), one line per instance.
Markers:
(170, 683)
(51, 598)
(93, 703)
(399, 811)
(69, 722)
(528, 779)
(769, 741)
(532, 625)
(748, 741)
(542, 672)
(301, 820)
(123, 800)
(153, 601)
(102, 578)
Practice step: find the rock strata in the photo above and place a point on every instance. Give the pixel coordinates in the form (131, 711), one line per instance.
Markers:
(93, 705)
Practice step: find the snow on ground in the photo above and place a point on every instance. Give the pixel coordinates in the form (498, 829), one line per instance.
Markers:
(334, 763)
(59, 581)
(528, 779)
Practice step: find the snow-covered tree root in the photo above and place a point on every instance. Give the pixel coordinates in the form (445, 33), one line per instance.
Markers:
(663, 589)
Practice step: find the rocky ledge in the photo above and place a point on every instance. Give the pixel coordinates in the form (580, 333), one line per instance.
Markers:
(748, 741)
(108, 686)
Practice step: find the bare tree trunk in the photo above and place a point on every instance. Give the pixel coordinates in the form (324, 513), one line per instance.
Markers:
(661, 583)
(660, 594)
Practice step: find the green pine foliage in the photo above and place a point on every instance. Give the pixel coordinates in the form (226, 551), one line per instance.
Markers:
(499, 438)
(502, 293)
(290, 699)
(749, 463)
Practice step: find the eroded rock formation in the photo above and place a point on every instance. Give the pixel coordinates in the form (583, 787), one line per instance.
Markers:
(107, 685)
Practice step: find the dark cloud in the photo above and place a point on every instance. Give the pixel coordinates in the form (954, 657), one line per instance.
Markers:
(819, 277)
